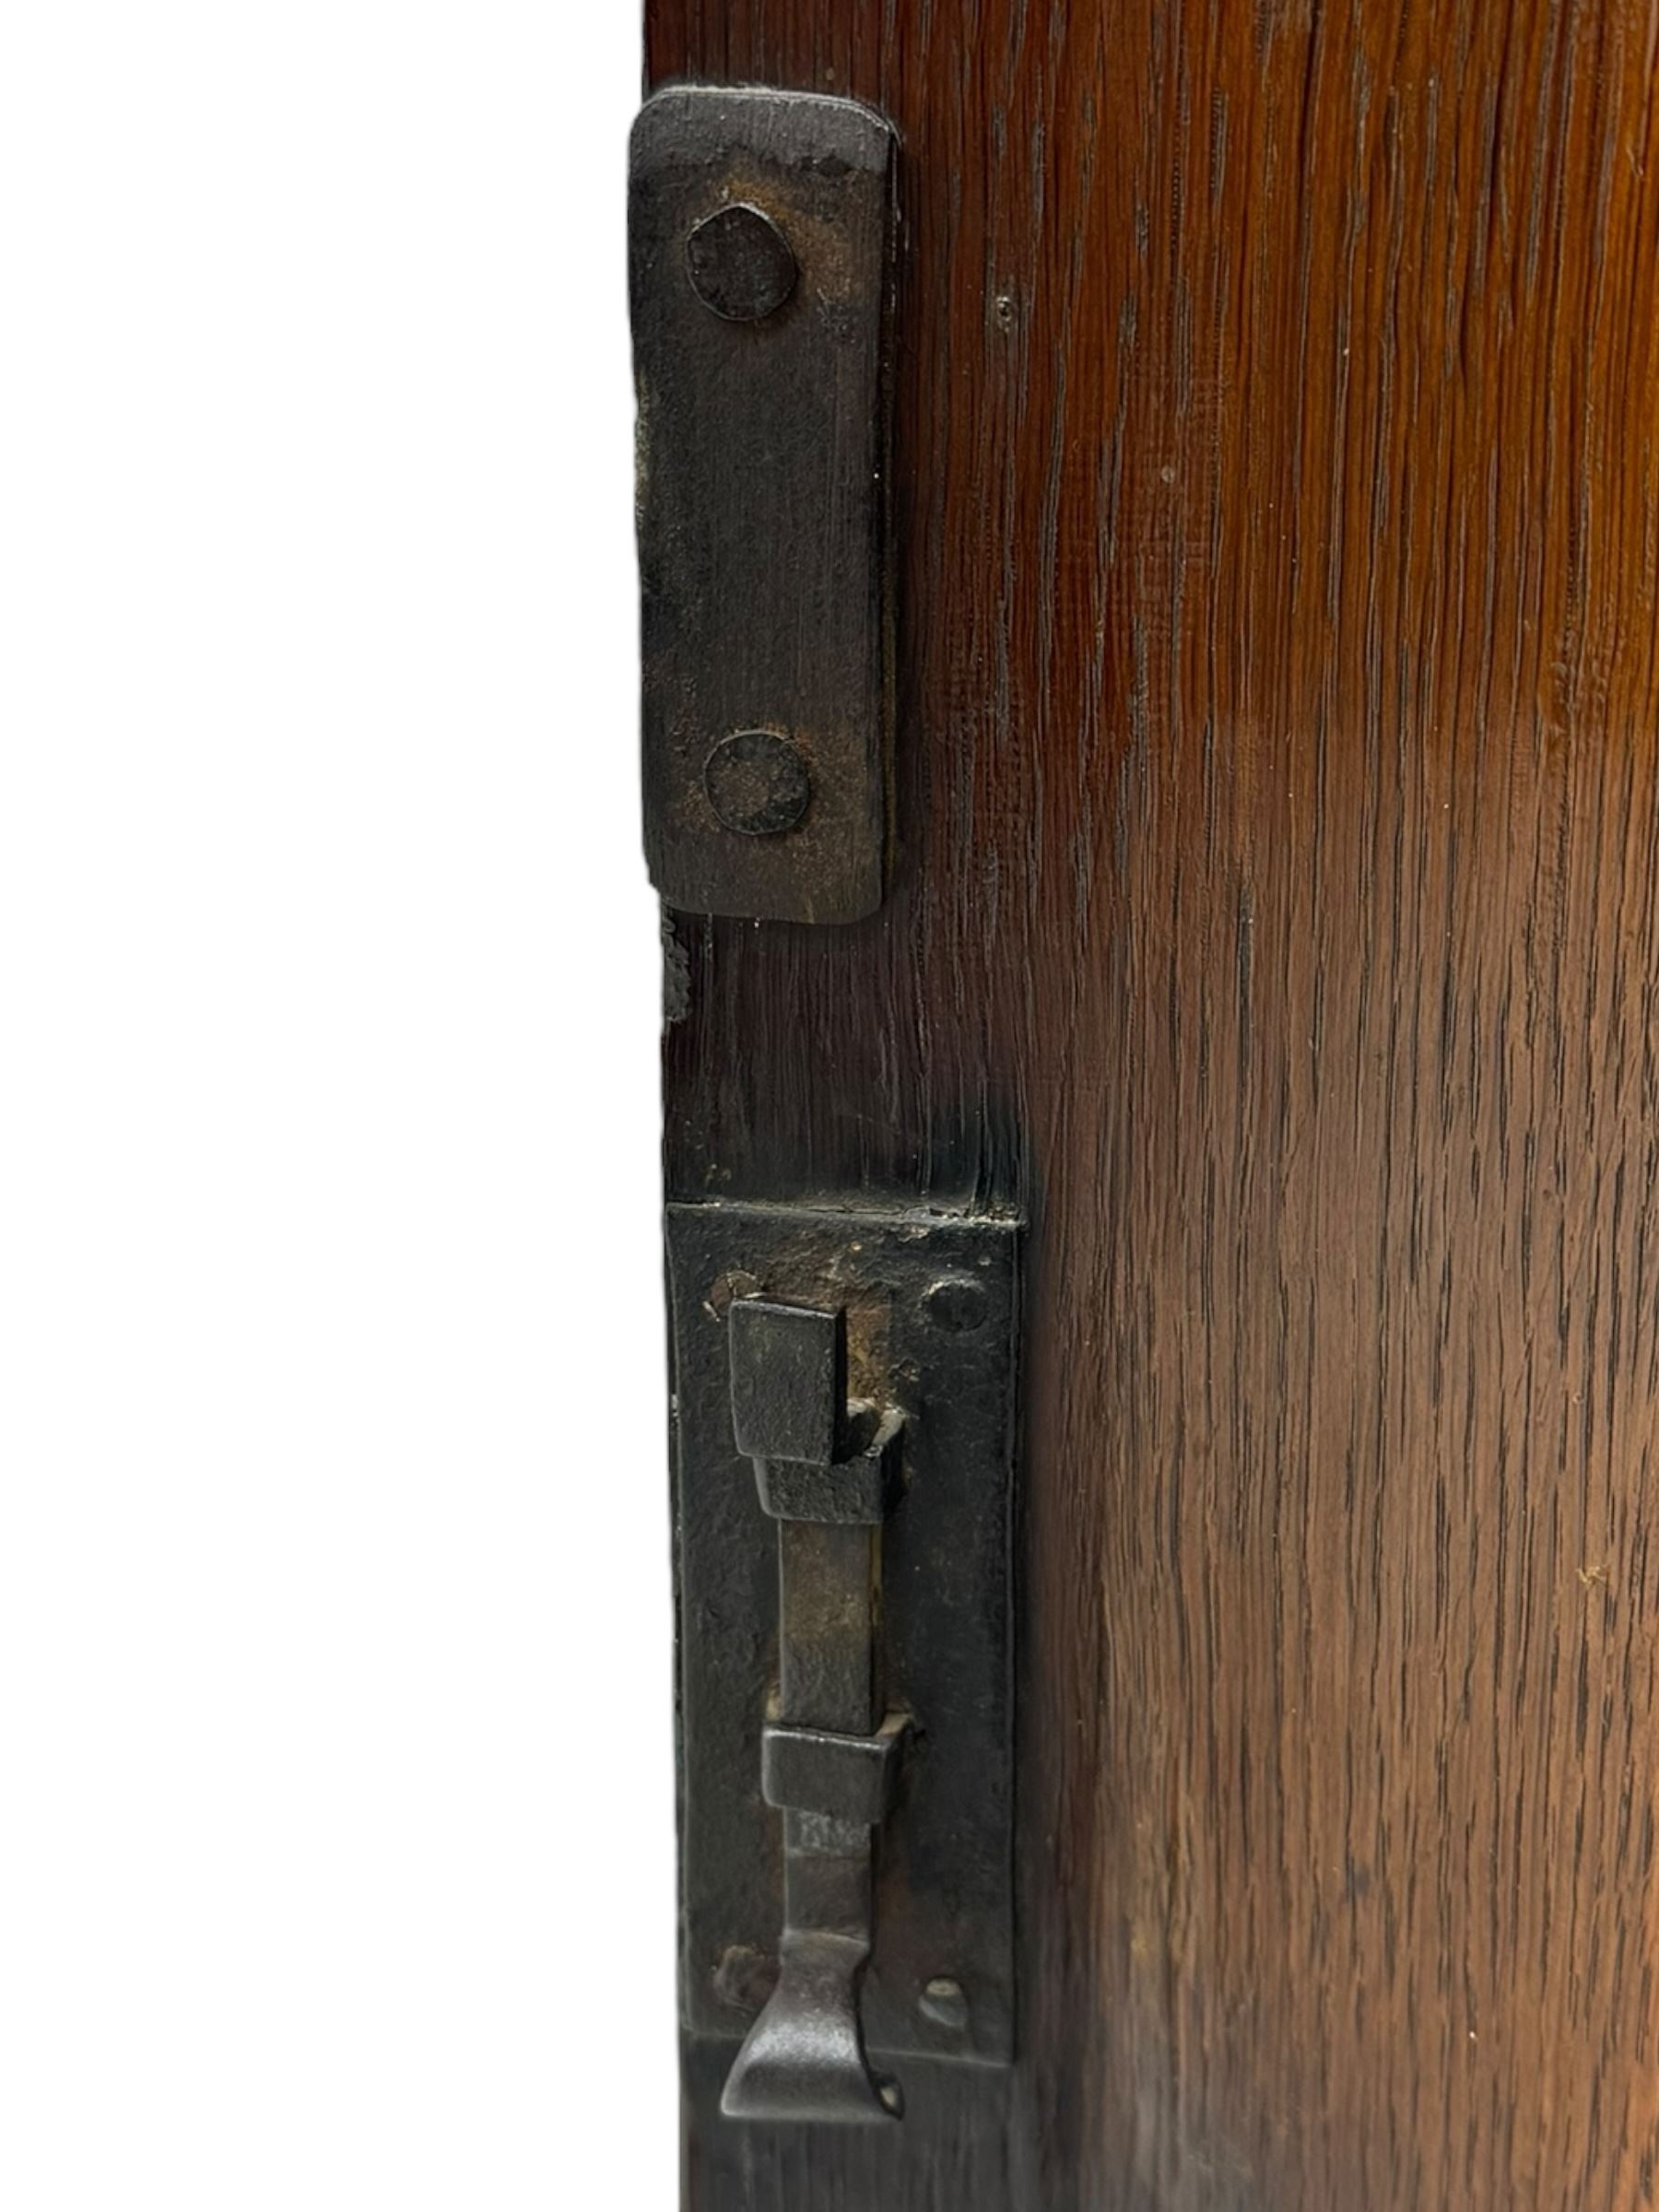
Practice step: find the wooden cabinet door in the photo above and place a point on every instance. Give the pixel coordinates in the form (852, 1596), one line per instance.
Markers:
(1275, 922)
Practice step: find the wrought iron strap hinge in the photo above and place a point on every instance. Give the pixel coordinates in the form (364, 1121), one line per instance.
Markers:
(760, 227)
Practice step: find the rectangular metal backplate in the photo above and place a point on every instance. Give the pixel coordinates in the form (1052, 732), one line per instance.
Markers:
(760, 256)
(932, 1319)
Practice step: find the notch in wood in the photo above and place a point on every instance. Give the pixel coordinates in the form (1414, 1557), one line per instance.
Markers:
(760, 228)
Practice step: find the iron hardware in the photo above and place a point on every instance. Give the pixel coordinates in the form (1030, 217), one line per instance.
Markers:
(761, 234)
(843, 1431)
(825, 1764)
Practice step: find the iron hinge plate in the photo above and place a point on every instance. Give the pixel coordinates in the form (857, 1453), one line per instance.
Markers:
(760, 257)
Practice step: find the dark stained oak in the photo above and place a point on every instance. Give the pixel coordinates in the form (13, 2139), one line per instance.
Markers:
(1278, 517)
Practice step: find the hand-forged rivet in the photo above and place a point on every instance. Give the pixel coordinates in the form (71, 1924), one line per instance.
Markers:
(945, 2003)
(740, 264)
(957, 1303)
(757, 783)
(745, 1977)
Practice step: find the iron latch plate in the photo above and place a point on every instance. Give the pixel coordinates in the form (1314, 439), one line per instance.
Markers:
(760, 237)
(931, 1302)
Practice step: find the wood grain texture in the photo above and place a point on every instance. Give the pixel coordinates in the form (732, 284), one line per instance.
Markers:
(1278, 489)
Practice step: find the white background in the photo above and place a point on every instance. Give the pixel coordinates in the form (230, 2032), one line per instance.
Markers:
(335, 1771)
